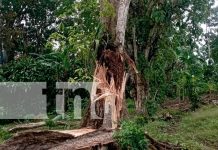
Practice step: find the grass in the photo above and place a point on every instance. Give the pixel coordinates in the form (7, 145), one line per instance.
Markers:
(195, 131)
(4, 135)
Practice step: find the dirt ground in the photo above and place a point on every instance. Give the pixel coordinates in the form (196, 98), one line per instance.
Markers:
(44, 140)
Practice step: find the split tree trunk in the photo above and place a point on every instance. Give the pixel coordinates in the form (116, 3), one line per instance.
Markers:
(107, 96)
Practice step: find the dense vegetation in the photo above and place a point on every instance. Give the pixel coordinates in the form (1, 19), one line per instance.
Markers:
(174, 44)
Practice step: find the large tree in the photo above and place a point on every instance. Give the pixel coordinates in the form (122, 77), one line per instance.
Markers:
(165, 26)
(107, 97)
(26, 25)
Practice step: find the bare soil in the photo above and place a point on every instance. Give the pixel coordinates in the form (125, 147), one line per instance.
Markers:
(41, 140)
(44, 140)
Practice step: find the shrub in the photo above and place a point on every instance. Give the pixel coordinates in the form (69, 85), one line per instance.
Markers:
(27, 69)
(131, 136)
(50, 123)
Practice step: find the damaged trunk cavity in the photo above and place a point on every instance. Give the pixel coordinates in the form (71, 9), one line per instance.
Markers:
(107, 96)
(107, 92)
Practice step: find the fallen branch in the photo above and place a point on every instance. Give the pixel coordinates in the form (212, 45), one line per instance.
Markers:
(155, 145)
(29, 126)
(26, 126)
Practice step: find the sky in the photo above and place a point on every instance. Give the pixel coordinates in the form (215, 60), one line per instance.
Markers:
(216, 2)
(204, 25)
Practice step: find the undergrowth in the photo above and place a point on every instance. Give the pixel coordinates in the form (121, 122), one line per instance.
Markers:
(196, 131)
(4, 135)
(131, 136)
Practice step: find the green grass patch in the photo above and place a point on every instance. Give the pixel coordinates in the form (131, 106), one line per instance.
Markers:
(195, 131)
(4, 135)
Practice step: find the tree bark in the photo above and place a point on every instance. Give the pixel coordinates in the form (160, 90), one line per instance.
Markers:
(122, 14)
(107, 96)
(140, 82)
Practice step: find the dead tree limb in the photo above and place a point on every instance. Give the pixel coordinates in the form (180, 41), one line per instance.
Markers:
(156, 145)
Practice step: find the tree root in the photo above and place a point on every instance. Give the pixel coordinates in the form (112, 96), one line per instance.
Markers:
(156, 145)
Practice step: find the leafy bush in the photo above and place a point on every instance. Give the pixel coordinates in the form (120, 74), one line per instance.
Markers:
(141, 119)
(131, 136)
(27, 69)
(151, 107)
(50, 123)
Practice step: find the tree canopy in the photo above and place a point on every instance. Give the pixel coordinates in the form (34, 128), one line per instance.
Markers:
(168, 48)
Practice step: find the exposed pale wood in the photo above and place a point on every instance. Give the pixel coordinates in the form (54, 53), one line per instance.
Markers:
(76, 132)
(122, 104)
(114, 116)
(110, 115)
(107, 95)
(94, 86)
(88, 141)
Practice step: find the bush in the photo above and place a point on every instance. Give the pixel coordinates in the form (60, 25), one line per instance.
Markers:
(151, 107)
(28, 69)
(131, 136)
(50, 123)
